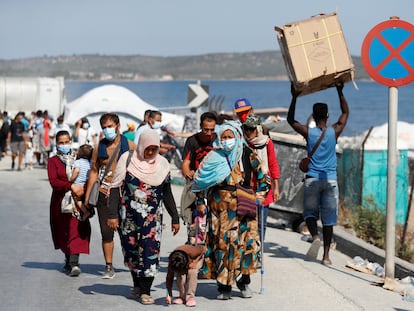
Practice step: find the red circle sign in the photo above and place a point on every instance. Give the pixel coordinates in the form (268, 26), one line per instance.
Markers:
(388, 53)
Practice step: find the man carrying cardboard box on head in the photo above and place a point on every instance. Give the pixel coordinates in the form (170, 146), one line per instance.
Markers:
(320, 195)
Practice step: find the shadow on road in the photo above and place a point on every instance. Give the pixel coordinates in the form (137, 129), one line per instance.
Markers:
(93, 269)
(107, 289)
(278, 251)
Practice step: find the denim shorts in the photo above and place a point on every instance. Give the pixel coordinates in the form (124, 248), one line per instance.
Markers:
(320, 198)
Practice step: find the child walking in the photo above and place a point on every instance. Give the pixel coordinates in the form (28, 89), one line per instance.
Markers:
(28, 156)
(184, 262)
(80, 174)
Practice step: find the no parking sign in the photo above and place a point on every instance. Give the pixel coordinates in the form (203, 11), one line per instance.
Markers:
(388, 53)
(388, 57)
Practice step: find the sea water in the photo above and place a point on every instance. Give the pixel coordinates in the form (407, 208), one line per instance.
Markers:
(368, 104)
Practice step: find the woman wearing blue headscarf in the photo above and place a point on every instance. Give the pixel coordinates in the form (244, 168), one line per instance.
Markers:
(232, 241)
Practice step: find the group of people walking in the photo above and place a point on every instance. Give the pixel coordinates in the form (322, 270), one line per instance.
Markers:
(31, 139)
(223, 159)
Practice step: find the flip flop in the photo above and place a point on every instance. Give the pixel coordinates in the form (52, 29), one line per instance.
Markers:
(314, 249)
(178, 301)
(146, 299)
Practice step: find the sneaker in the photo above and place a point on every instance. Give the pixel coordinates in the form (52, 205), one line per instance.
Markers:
(224, 296)
(244, 290)
(191, 302)
(109, 273)
(75, 271)
(12, 166)
(314, 249)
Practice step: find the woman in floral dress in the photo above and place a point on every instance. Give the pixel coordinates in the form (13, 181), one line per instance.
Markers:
(141, 181)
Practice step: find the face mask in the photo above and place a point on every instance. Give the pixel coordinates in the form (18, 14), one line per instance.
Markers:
(85, 126)
(65, 149)
(243, 116)
(109, 133)
(228, 144)
(156, 125)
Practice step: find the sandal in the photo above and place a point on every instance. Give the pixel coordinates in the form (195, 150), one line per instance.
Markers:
(178, 301)
(146, 299)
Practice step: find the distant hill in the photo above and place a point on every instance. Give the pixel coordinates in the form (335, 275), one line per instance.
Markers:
(266, 65)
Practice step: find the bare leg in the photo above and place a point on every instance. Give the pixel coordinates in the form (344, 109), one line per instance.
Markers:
(20, 160)
(108, 250)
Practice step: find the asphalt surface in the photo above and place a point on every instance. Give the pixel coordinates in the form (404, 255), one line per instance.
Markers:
(31, 277)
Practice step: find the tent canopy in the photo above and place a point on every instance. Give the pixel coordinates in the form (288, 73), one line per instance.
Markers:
(113, 98)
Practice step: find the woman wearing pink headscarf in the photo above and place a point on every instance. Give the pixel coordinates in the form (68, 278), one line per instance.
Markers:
(141, 181)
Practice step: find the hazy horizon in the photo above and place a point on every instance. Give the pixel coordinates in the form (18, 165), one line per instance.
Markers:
(173, 28)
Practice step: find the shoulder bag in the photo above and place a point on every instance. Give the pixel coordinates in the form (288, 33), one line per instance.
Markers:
(68, 204)
(304, 163)
(246, 198)
(94, 194)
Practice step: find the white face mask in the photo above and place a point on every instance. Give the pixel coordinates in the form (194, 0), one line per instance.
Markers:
(156, 125)
(228, 144)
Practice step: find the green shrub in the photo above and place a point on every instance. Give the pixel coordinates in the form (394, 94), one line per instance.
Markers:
(369, 224)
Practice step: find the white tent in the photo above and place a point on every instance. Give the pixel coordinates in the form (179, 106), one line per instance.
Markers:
(117, 99)
(32, 94)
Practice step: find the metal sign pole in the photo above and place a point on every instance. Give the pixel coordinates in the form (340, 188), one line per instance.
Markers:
(391, 182)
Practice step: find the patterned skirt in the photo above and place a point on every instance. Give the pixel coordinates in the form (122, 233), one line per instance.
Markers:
(233, 243)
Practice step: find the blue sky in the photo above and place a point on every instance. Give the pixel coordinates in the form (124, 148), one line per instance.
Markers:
(173, 27)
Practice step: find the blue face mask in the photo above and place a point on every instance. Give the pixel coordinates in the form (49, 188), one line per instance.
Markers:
(156, 125)
(109, 133)
(228, 144)
(65, 149)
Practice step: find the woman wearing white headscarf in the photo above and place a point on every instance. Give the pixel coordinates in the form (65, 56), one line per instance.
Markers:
(141, 181)
(232, 241)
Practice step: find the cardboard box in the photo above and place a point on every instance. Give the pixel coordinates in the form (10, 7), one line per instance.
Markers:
(315, 53)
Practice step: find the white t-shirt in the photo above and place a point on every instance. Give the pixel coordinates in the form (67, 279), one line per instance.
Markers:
(86, 136)
(141, 129)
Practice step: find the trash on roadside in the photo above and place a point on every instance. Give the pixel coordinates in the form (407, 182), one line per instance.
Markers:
(404, 287)
(365, 266)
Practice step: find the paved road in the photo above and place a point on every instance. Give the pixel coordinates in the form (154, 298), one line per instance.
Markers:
(31, 278)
